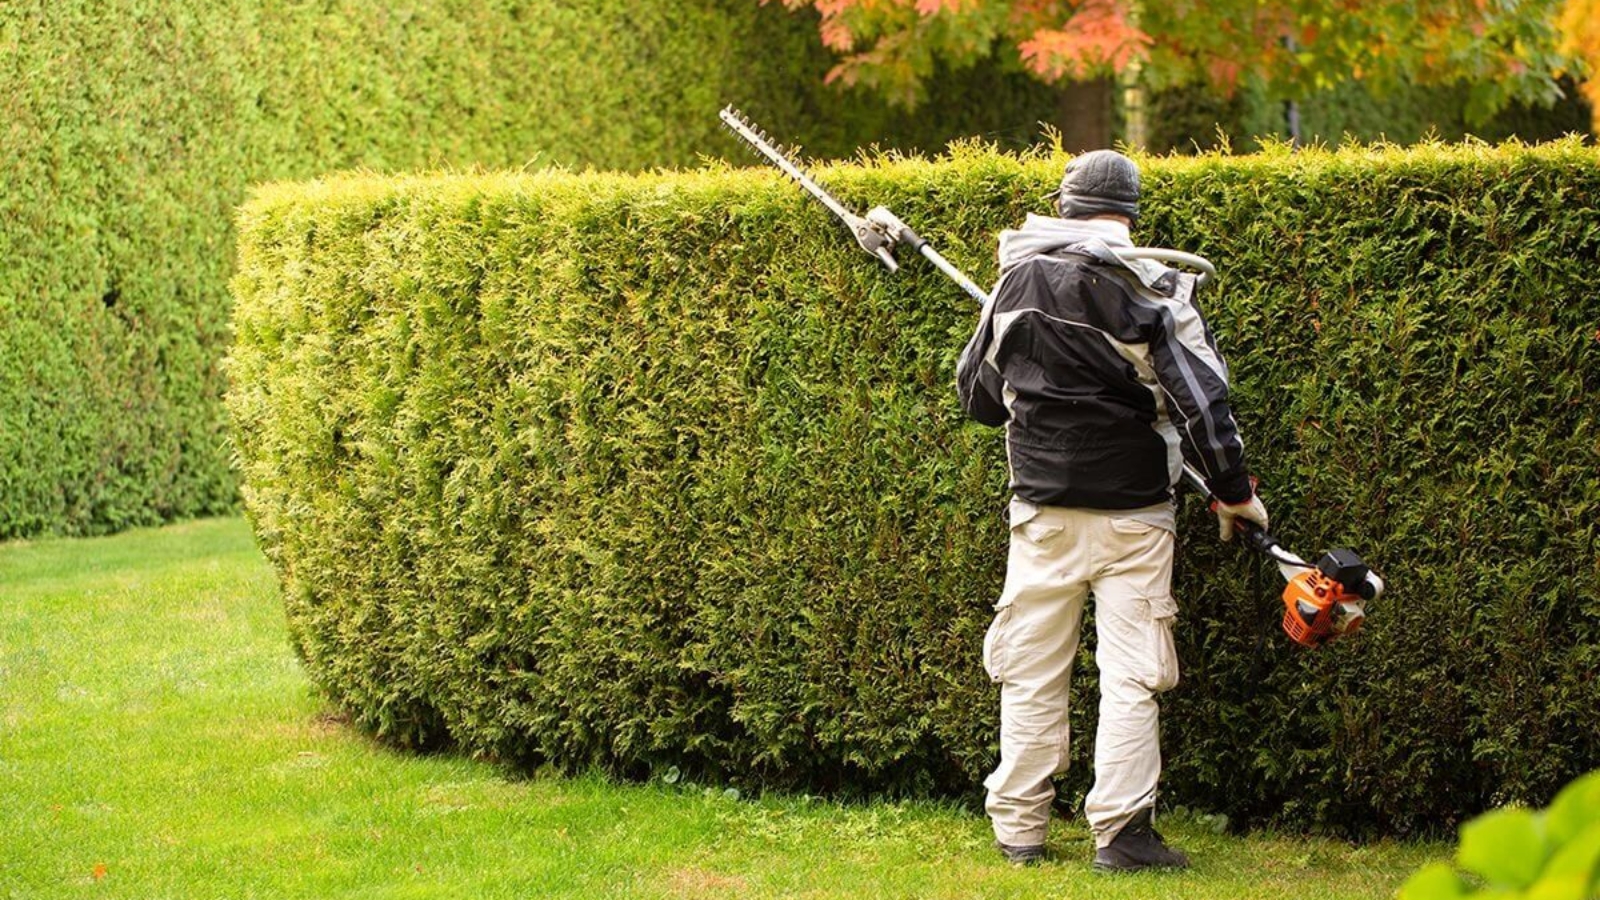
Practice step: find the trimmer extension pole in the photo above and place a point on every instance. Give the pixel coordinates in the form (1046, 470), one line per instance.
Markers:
(901, 233)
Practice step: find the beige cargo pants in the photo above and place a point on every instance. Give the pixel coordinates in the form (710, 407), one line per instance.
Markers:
(1058, 557)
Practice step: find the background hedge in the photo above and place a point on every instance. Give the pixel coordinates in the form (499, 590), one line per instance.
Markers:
(130, 130)
(659, 470)
(1187, 120)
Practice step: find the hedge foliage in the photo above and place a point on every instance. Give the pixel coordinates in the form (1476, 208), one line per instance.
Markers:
(130, 131)
(658, 470)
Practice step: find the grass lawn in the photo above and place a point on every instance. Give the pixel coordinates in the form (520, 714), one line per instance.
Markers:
(159, 740)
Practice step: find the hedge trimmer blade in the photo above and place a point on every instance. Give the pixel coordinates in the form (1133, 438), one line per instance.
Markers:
(866, 233)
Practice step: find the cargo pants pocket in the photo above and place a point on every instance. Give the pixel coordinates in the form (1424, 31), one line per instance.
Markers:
(996, 645)
(1163, 650)
(1031, 523)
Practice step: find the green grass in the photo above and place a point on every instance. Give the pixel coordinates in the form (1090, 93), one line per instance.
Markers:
(159, 740)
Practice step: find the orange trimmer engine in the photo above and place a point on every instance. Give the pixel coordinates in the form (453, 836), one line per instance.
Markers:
(1327, 601)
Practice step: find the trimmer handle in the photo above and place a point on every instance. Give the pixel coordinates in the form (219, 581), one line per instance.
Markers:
(1367, 586)
(1256, 537)
(898, 231)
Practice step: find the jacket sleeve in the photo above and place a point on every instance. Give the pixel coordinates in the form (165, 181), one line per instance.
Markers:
(978, 382)
(1194, 379)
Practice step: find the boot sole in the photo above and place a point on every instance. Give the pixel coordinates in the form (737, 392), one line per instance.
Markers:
(1161, 867)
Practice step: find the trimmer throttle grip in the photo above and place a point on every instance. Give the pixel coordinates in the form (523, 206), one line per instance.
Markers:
(1258, 538)
(911, 239)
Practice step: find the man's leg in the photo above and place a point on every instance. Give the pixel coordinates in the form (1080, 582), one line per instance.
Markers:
(1134, 613)
(1029, 650)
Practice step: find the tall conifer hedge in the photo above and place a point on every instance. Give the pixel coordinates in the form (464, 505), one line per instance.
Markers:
(659, 470)
(129, 132)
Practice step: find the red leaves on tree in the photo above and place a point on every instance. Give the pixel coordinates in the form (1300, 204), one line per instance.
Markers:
(1097, 37)
(1507, 51)
(1224, 73)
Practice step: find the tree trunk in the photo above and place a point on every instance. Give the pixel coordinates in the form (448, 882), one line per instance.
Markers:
(1084, 115)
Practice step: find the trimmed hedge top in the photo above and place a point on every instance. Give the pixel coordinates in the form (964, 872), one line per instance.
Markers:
(660, 470)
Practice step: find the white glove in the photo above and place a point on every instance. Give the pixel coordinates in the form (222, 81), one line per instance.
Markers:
(1228, 513)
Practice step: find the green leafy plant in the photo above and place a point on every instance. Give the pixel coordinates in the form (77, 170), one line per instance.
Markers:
(1552, 854)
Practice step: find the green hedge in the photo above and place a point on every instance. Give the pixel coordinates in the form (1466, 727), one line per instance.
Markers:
(130, 131)
(659, 470)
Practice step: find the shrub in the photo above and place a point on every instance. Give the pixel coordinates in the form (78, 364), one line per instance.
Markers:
(131, 131)
(658, 470)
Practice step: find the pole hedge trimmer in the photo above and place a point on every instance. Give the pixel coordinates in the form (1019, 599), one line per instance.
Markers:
(1321, 602)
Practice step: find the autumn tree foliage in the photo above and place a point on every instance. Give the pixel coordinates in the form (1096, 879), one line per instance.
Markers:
(1580, 27)
(1506, 50)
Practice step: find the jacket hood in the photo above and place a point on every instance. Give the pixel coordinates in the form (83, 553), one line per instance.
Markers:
(1094, 238)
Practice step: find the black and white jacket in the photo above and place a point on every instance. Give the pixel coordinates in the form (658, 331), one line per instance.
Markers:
(1102, 371)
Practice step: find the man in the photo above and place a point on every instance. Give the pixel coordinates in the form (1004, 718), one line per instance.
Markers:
(1106, 378)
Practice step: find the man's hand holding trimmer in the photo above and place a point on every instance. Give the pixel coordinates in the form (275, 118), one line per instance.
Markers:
(1229, 514)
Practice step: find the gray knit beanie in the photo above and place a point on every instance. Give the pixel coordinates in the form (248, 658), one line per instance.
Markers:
(1097, 183)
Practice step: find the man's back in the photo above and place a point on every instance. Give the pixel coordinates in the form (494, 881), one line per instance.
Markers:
(1094, 367)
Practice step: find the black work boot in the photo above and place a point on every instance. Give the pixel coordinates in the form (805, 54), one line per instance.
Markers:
(1138, 846)
(1024, 855)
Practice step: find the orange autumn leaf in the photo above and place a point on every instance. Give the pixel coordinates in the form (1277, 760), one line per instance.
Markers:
(99, 871)
(837, 37)
(934, 7)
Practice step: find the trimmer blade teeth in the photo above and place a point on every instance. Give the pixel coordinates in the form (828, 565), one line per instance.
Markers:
(784, 158)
